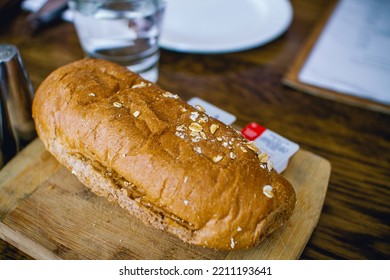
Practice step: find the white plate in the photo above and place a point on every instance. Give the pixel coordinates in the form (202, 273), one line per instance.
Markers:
(220, 26)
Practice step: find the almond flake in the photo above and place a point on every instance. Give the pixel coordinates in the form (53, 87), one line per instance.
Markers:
(239, 229)
(232, 155)
(195, 127)
(217, 158)
(243, 149)
(198, 150)
(194, 134)
(232, 243)
(92, 94)
(252, 147)
(200, 108)
(267, 191)
(203, 135)
(213, 128)
(263, 158)
(179, 134)
(142, 84)
(203, 119)
(136, 114)
(194, 116)
(219, 139)
(270, 165)
(183, 109)
(196, 139)
(117, 104)
(170, 95)
(181, 128)
(185, 202)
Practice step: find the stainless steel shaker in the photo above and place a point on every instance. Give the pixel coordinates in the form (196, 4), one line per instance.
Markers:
(16, 93)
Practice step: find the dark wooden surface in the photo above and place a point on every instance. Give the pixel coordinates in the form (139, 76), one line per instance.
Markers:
(355, 219)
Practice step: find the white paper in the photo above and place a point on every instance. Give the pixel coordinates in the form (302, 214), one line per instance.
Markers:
(352, 54)
(213, 111)
(279, 149)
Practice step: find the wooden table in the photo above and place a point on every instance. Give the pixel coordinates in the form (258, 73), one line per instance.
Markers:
(355, 220)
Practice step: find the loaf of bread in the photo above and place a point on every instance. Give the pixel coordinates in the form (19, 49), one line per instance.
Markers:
(164, 161)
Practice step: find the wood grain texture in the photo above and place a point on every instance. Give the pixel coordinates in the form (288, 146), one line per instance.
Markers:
(59, 218)
(354, 223)
(13, 184)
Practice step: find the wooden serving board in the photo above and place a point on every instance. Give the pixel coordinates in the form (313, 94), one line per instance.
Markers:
(47, 213)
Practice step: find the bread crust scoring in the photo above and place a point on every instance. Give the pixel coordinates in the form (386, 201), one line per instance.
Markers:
(167, 163)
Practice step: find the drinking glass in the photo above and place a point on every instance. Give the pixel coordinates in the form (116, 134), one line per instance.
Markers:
(121, 31)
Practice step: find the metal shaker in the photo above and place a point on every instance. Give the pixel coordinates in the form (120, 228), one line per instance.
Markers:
(16, 93)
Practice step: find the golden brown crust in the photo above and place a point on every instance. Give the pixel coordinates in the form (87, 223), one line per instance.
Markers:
(165, 162)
